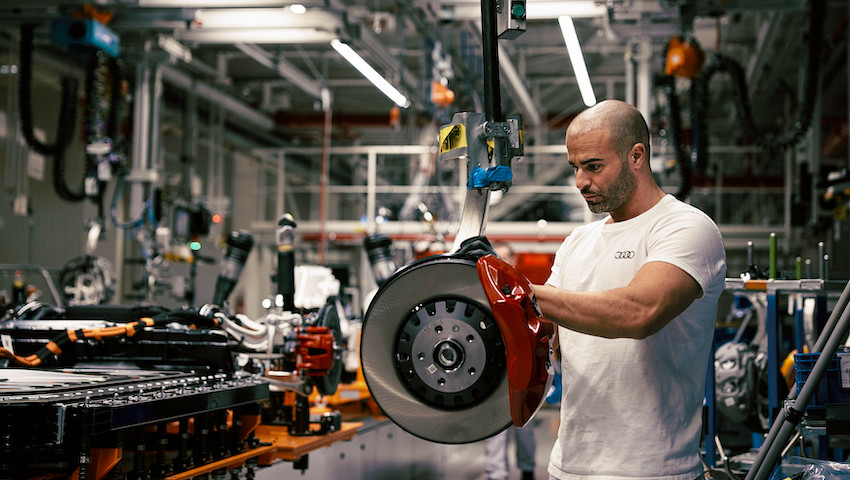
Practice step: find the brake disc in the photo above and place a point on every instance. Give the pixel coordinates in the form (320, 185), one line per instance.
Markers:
(328, 383)
(433, 356)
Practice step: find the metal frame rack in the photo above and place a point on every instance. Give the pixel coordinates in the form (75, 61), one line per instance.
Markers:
(786, 415)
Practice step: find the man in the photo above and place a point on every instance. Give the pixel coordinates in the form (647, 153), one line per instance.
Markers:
(635, 298)
(496, 447)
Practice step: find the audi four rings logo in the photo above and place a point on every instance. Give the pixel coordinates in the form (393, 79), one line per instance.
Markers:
(625, 254)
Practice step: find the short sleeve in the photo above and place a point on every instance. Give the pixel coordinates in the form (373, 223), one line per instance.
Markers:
(690, 240)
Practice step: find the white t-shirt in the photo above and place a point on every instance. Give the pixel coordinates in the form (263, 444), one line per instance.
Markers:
(632, 408)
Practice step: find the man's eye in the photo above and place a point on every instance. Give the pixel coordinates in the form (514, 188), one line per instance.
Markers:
(593, 168)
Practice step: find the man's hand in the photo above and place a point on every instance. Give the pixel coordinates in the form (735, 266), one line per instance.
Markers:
(476, 247)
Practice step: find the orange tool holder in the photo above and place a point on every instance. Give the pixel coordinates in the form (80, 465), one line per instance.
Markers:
(526, 333)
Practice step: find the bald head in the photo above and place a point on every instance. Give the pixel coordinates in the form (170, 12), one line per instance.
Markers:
(624, 123)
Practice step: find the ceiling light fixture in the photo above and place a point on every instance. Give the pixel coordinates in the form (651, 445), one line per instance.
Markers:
(257, 35)
(211, 3)
(575, 9)
(535, 9)
(577, 59)
(357, 62)
(257, 18)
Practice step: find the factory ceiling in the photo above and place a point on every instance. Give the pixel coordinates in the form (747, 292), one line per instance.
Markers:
(278, 62)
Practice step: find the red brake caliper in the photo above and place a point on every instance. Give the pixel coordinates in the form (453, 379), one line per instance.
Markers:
(526, 333)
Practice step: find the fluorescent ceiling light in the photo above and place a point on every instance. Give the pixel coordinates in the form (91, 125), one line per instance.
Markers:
(258, 36)
(212, 3)
(535, 9)
(264, 18)
(383, 85)
(574, 9)
(577, 59)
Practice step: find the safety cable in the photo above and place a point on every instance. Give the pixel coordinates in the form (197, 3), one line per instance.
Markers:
(772, 142)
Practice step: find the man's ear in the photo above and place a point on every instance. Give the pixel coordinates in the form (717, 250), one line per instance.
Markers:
(637, 154)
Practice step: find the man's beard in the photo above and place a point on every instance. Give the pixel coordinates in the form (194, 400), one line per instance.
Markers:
(616, 195)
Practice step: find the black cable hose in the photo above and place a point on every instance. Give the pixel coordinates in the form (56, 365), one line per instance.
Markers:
(94, 121)
(115, 100)
(112, 126)
(743, 110)
(69, 101)
(101, 68)
(683, 161)
(67, 118)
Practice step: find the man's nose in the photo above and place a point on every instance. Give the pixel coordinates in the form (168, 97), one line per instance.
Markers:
(582, 180)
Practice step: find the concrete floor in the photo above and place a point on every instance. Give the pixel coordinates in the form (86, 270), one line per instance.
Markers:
(383, 451)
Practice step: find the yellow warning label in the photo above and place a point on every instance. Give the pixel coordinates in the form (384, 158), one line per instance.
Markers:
(451, 137)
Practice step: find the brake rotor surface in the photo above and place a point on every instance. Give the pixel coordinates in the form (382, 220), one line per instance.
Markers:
(329, 317)
(433, 356)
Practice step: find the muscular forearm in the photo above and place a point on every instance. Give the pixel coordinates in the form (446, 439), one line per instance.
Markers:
(654, 297)
(610, 314)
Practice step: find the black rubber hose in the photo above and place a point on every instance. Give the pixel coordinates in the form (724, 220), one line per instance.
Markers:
(67, 118)
(743, 109)
(115, 100)
(68, 110)
(69, 102)
(683, 160)
(95, 122)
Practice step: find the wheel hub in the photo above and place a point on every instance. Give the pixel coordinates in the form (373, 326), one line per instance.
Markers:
(449, 353)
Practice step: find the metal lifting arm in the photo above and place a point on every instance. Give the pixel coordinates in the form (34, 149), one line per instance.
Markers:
(486, 141)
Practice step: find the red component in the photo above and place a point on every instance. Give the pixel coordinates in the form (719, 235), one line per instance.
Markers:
(315, 351)
(526, 333)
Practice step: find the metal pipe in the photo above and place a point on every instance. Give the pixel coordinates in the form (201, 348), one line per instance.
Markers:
(371, 196)
(772, 266)
(781, 430)
(216, 96)
(286, 69)
(13, 162)
(280, 197)
(490, 51)
(157, 162)
(323, 181)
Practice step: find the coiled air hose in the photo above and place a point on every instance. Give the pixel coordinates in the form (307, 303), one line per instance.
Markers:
(65, 127)
(743, 110)
(101, 119)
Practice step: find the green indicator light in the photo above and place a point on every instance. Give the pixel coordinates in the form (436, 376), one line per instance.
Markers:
(518, 10)
(195, 246)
